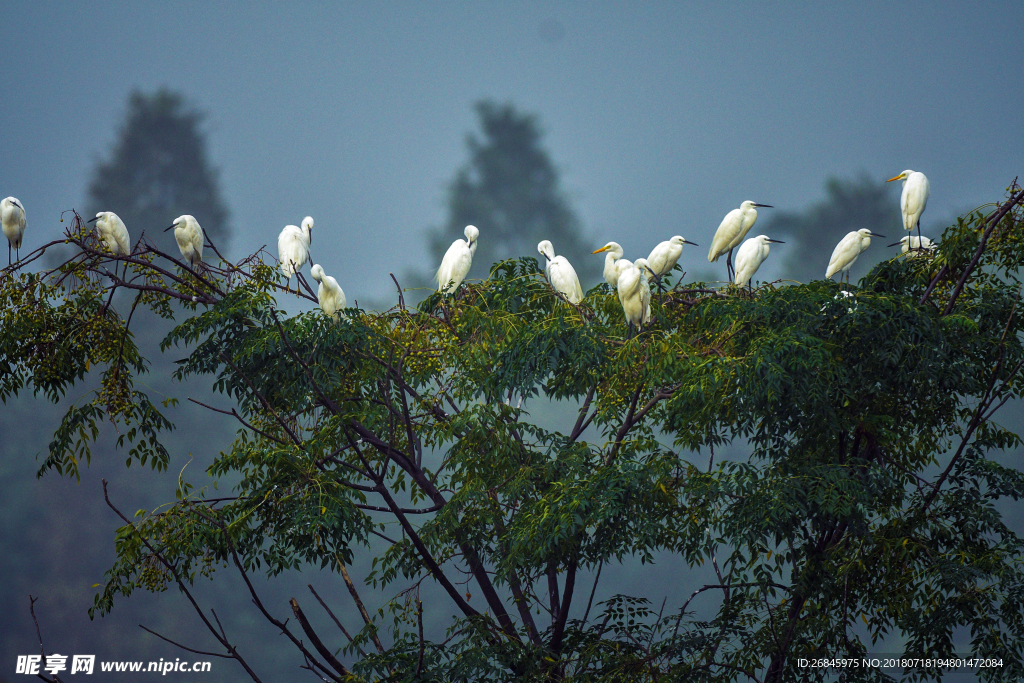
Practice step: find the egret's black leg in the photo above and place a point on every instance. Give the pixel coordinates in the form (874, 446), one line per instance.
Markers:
(728, 267)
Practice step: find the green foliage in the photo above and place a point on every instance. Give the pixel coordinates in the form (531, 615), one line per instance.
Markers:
(158, 170)
(408, 434)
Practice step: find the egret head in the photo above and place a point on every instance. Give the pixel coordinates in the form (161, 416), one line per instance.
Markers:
(612, 247)
(179, 222)
(101, 214)
(14, 202)
(679, 241)
(472, 234)
(864, 232)
(903, 240)
(644, 266)
(546, 250)
(317, 272)
(901, 176)
(765, 239)
(307, 226)
(747, 205)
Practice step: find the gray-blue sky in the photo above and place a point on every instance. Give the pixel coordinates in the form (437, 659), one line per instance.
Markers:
(661, 116)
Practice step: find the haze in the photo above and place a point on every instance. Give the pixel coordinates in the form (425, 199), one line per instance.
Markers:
(661, 116)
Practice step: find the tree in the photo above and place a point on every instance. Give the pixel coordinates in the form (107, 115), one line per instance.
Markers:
(158, 170)
(848, 205)
(407, 433)
(509, 189)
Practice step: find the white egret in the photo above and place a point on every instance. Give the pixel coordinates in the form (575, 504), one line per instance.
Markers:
(293, 246)
(189, 236)
(916, 243)
(734, 227)
(914, 198)
(645, 287)
(634, 292)
(457, 261)
(663, 257)
(112, 232)
(330, 295)
(750, 256)
(611, 273)
(561, 274)
(847, 251)
(12, 220)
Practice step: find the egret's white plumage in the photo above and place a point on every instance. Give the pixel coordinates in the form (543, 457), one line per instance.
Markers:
(293, 246)
(663, 257)
(749, 258)
(614, 253)
(330, 295)
(733, 228)
(644, 267)
(634, 291)
(457, 261)
(847, 251)
(189, 236)
(112, 232)
(914, 198)
(561, 274)
(916, 243)
(12, 221)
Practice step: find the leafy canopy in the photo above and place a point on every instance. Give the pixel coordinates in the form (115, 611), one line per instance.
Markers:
(867, 506)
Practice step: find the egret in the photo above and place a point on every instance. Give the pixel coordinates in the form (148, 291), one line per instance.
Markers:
(112, 232)
(751, 255)
(293, 247)
(645, 287)
(457, 261)
(663, 257)
(916, 243)
(189, 236)
(914, 198)
(847, 251)
(330, 295)
(12, 220)
(735, 226)
(634, 292)
(611, 274)
(561, 274)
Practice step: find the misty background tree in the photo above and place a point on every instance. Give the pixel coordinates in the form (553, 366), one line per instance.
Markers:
(510, 190)
(158, 170)
(849, 204)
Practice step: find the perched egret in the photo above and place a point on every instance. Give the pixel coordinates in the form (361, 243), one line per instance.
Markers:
(457, 261)
(330, 295)
(916, 243)
(293, 246)
(561, 274)
(735, 226)
(189, 236)
(751, 255)
(847, 251)
(12, 219)
(664, 256)
(112, 232)
(634, 292)
(914, 198)
(611, 273)
(645, 287)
